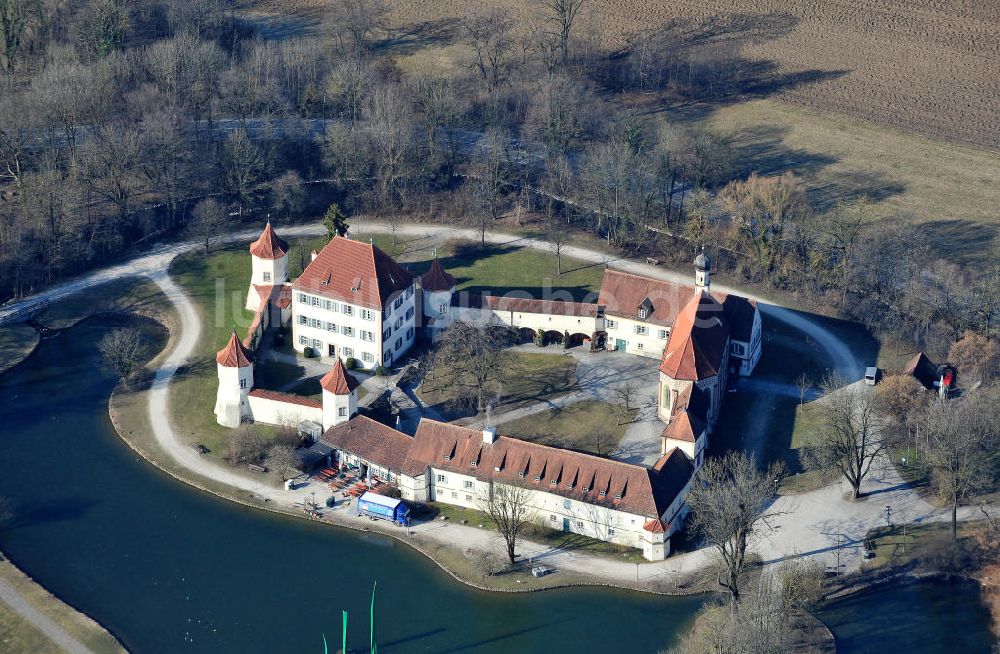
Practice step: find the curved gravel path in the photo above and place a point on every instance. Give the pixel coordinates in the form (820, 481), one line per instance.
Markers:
(813, 524)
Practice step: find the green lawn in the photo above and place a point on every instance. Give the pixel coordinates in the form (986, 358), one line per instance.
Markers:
(530, 378)
(588, 426)
(894, 546)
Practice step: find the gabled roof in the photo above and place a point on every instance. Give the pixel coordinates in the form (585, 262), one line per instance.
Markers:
(671, 474)
(437, 278)
(354, 272)
(655, 526)
(697, 344)
(583, 477)
(370, 440)
(338, 381)
(623, 293)
(684, 427)
(235, 354)
(921, 368)
(740, 313)
(268, 245)
(551, 307)
(287, 398)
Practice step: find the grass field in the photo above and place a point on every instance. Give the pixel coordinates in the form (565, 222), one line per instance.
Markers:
(530, 378)
(573, 427)
(18, 636)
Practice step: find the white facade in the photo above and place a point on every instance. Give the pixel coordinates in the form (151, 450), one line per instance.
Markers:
(266, 272)
(338, 408)
(278, 412)
(635, 336)
(340, 329)
(231, 403)
(747, 355)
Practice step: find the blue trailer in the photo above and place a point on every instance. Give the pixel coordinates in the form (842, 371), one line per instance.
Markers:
(384, 508)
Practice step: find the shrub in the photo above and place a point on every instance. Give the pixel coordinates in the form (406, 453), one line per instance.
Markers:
(350, 363)
(309, 352)
(380, 371)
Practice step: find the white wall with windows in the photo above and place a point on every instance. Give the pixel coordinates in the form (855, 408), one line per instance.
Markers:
(371, 337)
(639, 337)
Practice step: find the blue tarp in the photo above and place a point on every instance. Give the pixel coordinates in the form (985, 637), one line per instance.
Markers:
(386, 508)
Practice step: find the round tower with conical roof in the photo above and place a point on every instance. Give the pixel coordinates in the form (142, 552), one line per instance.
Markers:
(703, 270)
(234, 364)
(269, 256)
(340, 395)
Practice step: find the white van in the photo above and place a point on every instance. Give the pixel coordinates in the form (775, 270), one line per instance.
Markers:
(871, 375)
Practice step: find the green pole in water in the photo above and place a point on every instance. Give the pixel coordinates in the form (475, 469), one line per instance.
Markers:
(344, 637)
(326, 650)
(371, 621)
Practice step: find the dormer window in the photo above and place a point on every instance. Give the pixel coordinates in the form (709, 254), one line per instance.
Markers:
(552, 482)
(601, 494)
(447, 457)
(586, 489)
(618, 496)
(521, 475)
(473, 464)
(537, 478)
(642, 314)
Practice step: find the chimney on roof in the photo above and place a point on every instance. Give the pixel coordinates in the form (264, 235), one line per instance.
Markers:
(489, 431)
(313, 255)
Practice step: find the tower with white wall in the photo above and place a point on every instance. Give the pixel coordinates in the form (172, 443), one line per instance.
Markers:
(703, 270)
(437, 288)
(340, 395)
(234, 364)
(269, 257)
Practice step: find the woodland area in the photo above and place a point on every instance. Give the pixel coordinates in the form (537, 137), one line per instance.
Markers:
(118, 117)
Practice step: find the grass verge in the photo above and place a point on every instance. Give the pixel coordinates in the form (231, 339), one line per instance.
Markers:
(17, 342)
(588, 426)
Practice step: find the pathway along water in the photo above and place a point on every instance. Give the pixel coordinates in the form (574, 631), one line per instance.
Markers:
(169, 569)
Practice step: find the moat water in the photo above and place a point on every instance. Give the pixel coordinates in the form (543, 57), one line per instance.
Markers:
(167, 568)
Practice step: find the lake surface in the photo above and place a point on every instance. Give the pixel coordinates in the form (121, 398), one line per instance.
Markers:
(170, 569)
(919, 618)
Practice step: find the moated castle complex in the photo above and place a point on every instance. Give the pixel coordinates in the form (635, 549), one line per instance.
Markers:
(354, 303)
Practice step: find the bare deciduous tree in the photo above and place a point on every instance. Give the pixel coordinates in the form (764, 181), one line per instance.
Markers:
(961, 441)
(490, 33)
(281, 461)
(245, 444)
(508, 508)
(557, 242)
(16, 18)
(477, 359)
(729, 500)
(850, 436)
(208, 218)
(560, 15)
(242, 164)
(624, 397)
(803, 382)
(122, 351)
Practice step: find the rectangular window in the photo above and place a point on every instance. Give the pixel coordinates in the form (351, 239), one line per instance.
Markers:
(368, 357)
(315, 301)
(642, 314)
(579, 524)
(398, 303)
(303, 320)
(441, 479)
(566, 504)
(386, 335)
(243, 383)
(639, 346)
(640, 330)
(367, 314)
(331, 327)
(454, 495)
(303, 340)
(409, 292)
(409, 333)
(267, 277)
(442, 307)
(409, 313)
(348, 331)
(303, 299)
(342, 412)
(348, 310)
(399, 343)
(552, 518)
(388, 357)
(316, 343)
(399, 323)
(610, 324)
(347, 351)
(367, 336)
(664, 333)
(468, 498)
(611, 532)
(469, 485)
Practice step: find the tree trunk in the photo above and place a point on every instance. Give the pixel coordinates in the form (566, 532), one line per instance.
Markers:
(510, 550)
(954, 520)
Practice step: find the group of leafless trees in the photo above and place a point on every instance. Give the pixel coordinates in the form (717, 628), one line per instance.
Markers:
(117, 117)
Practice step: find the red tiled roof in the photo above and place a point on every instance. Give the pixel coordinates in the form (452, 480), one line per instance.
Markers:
(622, 294)
(921, 368)
(567, 473)
(740, 313)
(437, 278)
(268, 245)
(284, 298)
(354, 272)
(287, 398)
(552, 307)
(697, 344)
(655, 526)
(235, 354)
(370, 440)
(338, 381)
(683, 427)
